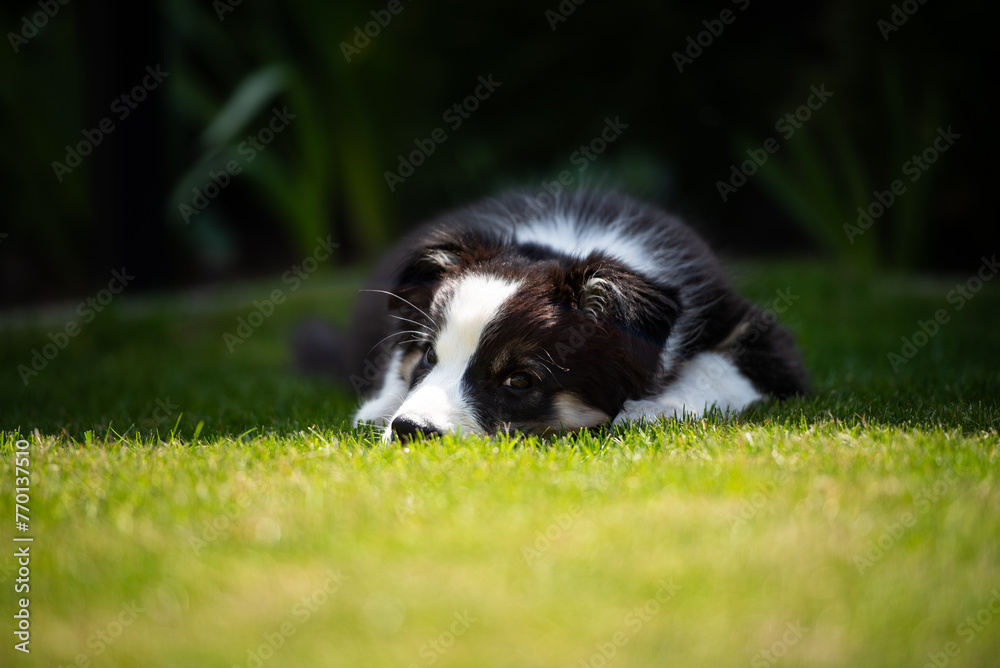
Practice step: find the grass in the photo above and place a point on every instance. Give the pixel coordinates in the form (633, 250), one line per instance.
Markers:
(192, 507)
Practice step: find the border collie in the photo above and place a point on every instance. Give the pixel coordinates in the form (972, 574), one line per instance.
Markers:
(514, 314)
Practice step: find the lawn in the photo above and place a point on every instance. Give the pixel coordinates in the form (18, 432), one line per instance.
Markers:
(195, 507)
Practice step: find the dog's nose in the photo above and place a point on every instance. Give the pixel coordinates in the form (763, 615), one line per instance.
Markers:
(406, 428)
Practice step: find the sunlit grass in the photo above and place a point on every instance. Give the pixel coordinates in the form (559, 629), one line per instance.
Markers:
(244, 523)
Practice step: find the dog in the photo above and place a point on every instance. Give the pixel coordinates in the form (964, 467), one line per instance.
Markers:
(548, 315)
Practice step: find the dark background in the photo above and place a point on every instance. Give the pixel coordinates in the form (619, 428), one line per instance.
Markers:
(230, 66)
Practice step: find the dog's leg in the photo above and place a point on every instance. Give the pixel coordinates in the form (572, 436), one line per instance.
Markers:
(708, 379)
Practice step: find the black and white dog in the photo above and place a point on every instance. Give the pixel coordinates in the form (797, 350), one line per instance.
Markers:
(517, 315)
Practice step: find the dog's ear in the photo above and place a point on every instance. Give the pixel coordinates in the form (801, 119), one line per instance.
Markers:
(420, 275)
(428, 265)
(435, 261)
(607, 291)
(633, 316)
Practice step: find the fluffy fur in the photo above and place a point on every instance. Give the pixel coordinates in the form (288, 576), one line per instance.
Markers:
(512, 315)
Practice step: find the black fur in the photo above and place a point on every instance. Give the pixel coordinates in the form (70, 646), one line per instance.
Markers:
(600, 340)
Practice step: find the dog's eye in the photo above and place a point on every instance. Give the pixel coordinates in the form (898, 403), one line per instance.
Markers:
(519, 381)
(430, 357)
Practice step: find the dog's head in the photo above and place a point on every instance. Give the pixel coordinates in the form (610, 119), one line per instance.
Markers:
(520, 339)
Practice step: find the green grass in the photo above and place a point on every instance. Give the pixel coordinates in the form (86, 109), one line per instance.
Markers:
(224, 513)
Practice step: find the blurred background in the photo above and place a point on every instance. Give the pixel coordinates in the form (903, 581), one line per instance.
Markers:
(214, 150)
(197, 142)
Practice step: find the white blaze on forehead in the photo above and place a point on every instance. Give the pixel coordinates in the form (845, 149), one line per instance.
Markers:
(438, 400)
(475, 303)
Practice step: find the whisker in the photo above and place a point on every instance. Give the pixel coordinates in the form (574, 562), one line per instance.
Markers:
(391, 294)
(547, 354)
(418, 324)
(405, 331)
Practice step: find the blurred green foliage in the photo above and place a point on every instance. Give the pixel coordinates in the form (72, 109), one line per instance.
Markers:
(39, 122)
(229, 80)
(831, 176)
(360, 103)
